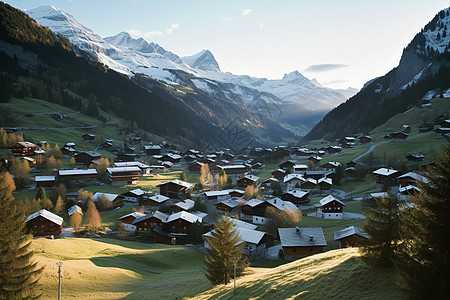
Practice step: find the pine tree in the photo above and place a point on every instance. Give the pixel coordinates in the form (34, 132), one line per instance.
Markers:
(41, 194)
(226, 250)
(424, 265)
(19, 274)
(93, 220)
(59, 205)
(382, 225)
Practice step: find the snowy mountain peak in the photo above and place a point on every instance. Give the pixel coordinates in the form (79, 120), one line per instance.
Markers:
(204, 60)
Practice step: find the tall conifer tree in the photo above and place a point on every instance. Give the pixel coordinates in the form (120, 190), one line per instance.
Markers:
(424, 251)
(19, 274)
(226, 250)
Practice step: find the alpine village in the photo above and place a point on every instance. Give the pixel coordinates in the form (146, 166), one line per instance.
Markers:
(128, 172)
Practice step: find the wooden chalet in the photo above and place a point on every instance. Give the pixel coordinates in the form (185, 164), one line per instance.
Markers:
(131, 217)
(334, 149)
(156, 200)
(287, 165)
(331, 166)
(44, 181)
(414, 157)
(180, 222)
(365, 139)
(86, 157)
(150, 221)
(399, 136)
(293, 181)
(309, 185)
(315, 159)
(347, 139)
(230, 206)
(410, 178)
(216, 196)
(296, 197)
(351, 236)
(247, 180)
(302, 152)
(175, 188)
(300, 168)
(254, 208)
(77, 175)
(44, 223)
(317, 174)
(88, 137)
(24, 149)
(133, 195)
(325, 183)
(123, 175)
(185, 205)
(152, 150)
(279, 174)
(75, 209)
(173, 158)
(116, 200)
(195, 167)
(297, 242)
(67, 151)
(386, 176)
(145, 169)
(330, 208)
(267, 184)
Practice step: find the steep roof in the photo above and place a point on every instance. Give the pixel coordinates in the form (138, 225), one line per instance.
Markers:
(329, 199)
(157, 214)
(384, 172)
(179, 182)
(302, 237)
(191, 218)
(290, 177)
(159, 198)
(253, 202)
(349, 231)
(97, 196)
(135, 214)
(415, 176)
(47, 215)
(186, 204)
(73, 209)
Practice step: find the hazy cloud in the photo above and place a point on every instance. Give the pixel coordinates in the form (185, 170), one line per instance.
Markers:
(226, 19)
(136, 33)
(261, 24)
(246, 11)
(324, 67)
(339, 81)
(172, 28)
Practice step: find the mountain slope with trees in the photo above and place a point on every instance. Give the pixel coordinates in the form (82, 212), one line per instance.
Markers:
(424, 66)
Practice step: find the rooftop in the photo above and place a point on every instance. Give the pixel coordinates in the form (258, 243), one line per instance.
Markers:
(302, 237)
(47, 215)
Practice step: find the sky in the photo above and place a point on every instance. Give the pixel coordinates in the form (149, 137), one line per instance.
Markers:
(340, 43)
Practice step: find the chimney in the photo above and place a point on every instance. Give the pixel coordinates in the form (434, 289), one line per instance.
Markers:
(311, 238)
(297, 229)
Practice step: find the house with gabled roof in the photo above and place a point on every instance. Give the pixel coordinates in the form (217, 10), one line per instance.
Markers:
(278, 174)
(24, 149)
(145, 169)
(325, 184)
(185, 205)
(156, 200)
(77, 175)
(330, 208)
(287, 165)
(133, 195)
(386, 176)
(248, 180)
(298, 242)
(44, 223)
(410, 178)
(116, 200)
(88, 137)
(149, 222)
(310, 185)
(75, 209)
(350, 237)
(293, 181)
(175, 229)
(299, 168)
(230, 206)
(45, 181)
(128, 219)
(331, 166)
(365, 139)
(296, 196)
(123, 175)
(86, 157)
(175, 188)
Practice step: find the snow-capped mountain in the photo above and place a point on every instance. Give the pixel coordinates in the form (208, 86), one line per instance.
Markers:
(130, 56)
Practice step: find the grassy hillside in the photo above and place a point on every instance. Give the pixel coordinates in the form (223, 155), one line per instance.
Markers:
(113, 269)
(338, 274)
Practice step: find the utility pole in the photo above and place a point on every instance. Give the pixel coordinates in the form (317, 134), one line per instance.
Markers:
(59, 264)
(234, 289)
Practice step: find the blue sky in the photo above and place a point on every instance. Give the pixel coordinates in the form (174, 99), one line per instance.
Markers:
(341, 43)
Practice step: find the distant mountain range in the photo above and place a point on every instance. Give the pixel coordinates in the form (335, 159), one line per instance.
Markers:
(424, 66)
(300, 102)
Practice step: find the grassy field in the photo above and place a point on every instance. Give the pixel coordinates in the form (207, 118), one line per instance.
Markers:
(114, 269)
(338, 274)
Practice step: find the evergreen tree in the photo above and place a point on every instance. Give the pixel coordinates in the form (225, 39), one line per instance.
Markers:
(19, 274)
(59, 205)
(382, 225)
(20, 169)
(424, 265)
(226, 250)
(183, 176)
(41, 194)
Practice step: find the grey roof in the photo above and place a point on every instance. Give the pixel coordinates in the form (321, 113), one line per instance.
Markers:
(180, 182)
(246, 235)
(384, 172)
(301, 237)
(73, 209)
(135, 214)
(157, 214)
(349, 231)
(329, 199)
(251, 177)
(415, 176)
(253, 202)
(216, 193)
(191, 218)
(159, 198)
(297, 193)
(186, 204)
(77, 172)
(242, 224)
(47, 215)
(97, 196)
(290, 177)
(132, 164)
(44, 178)
(232, 202)
(123, 169)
